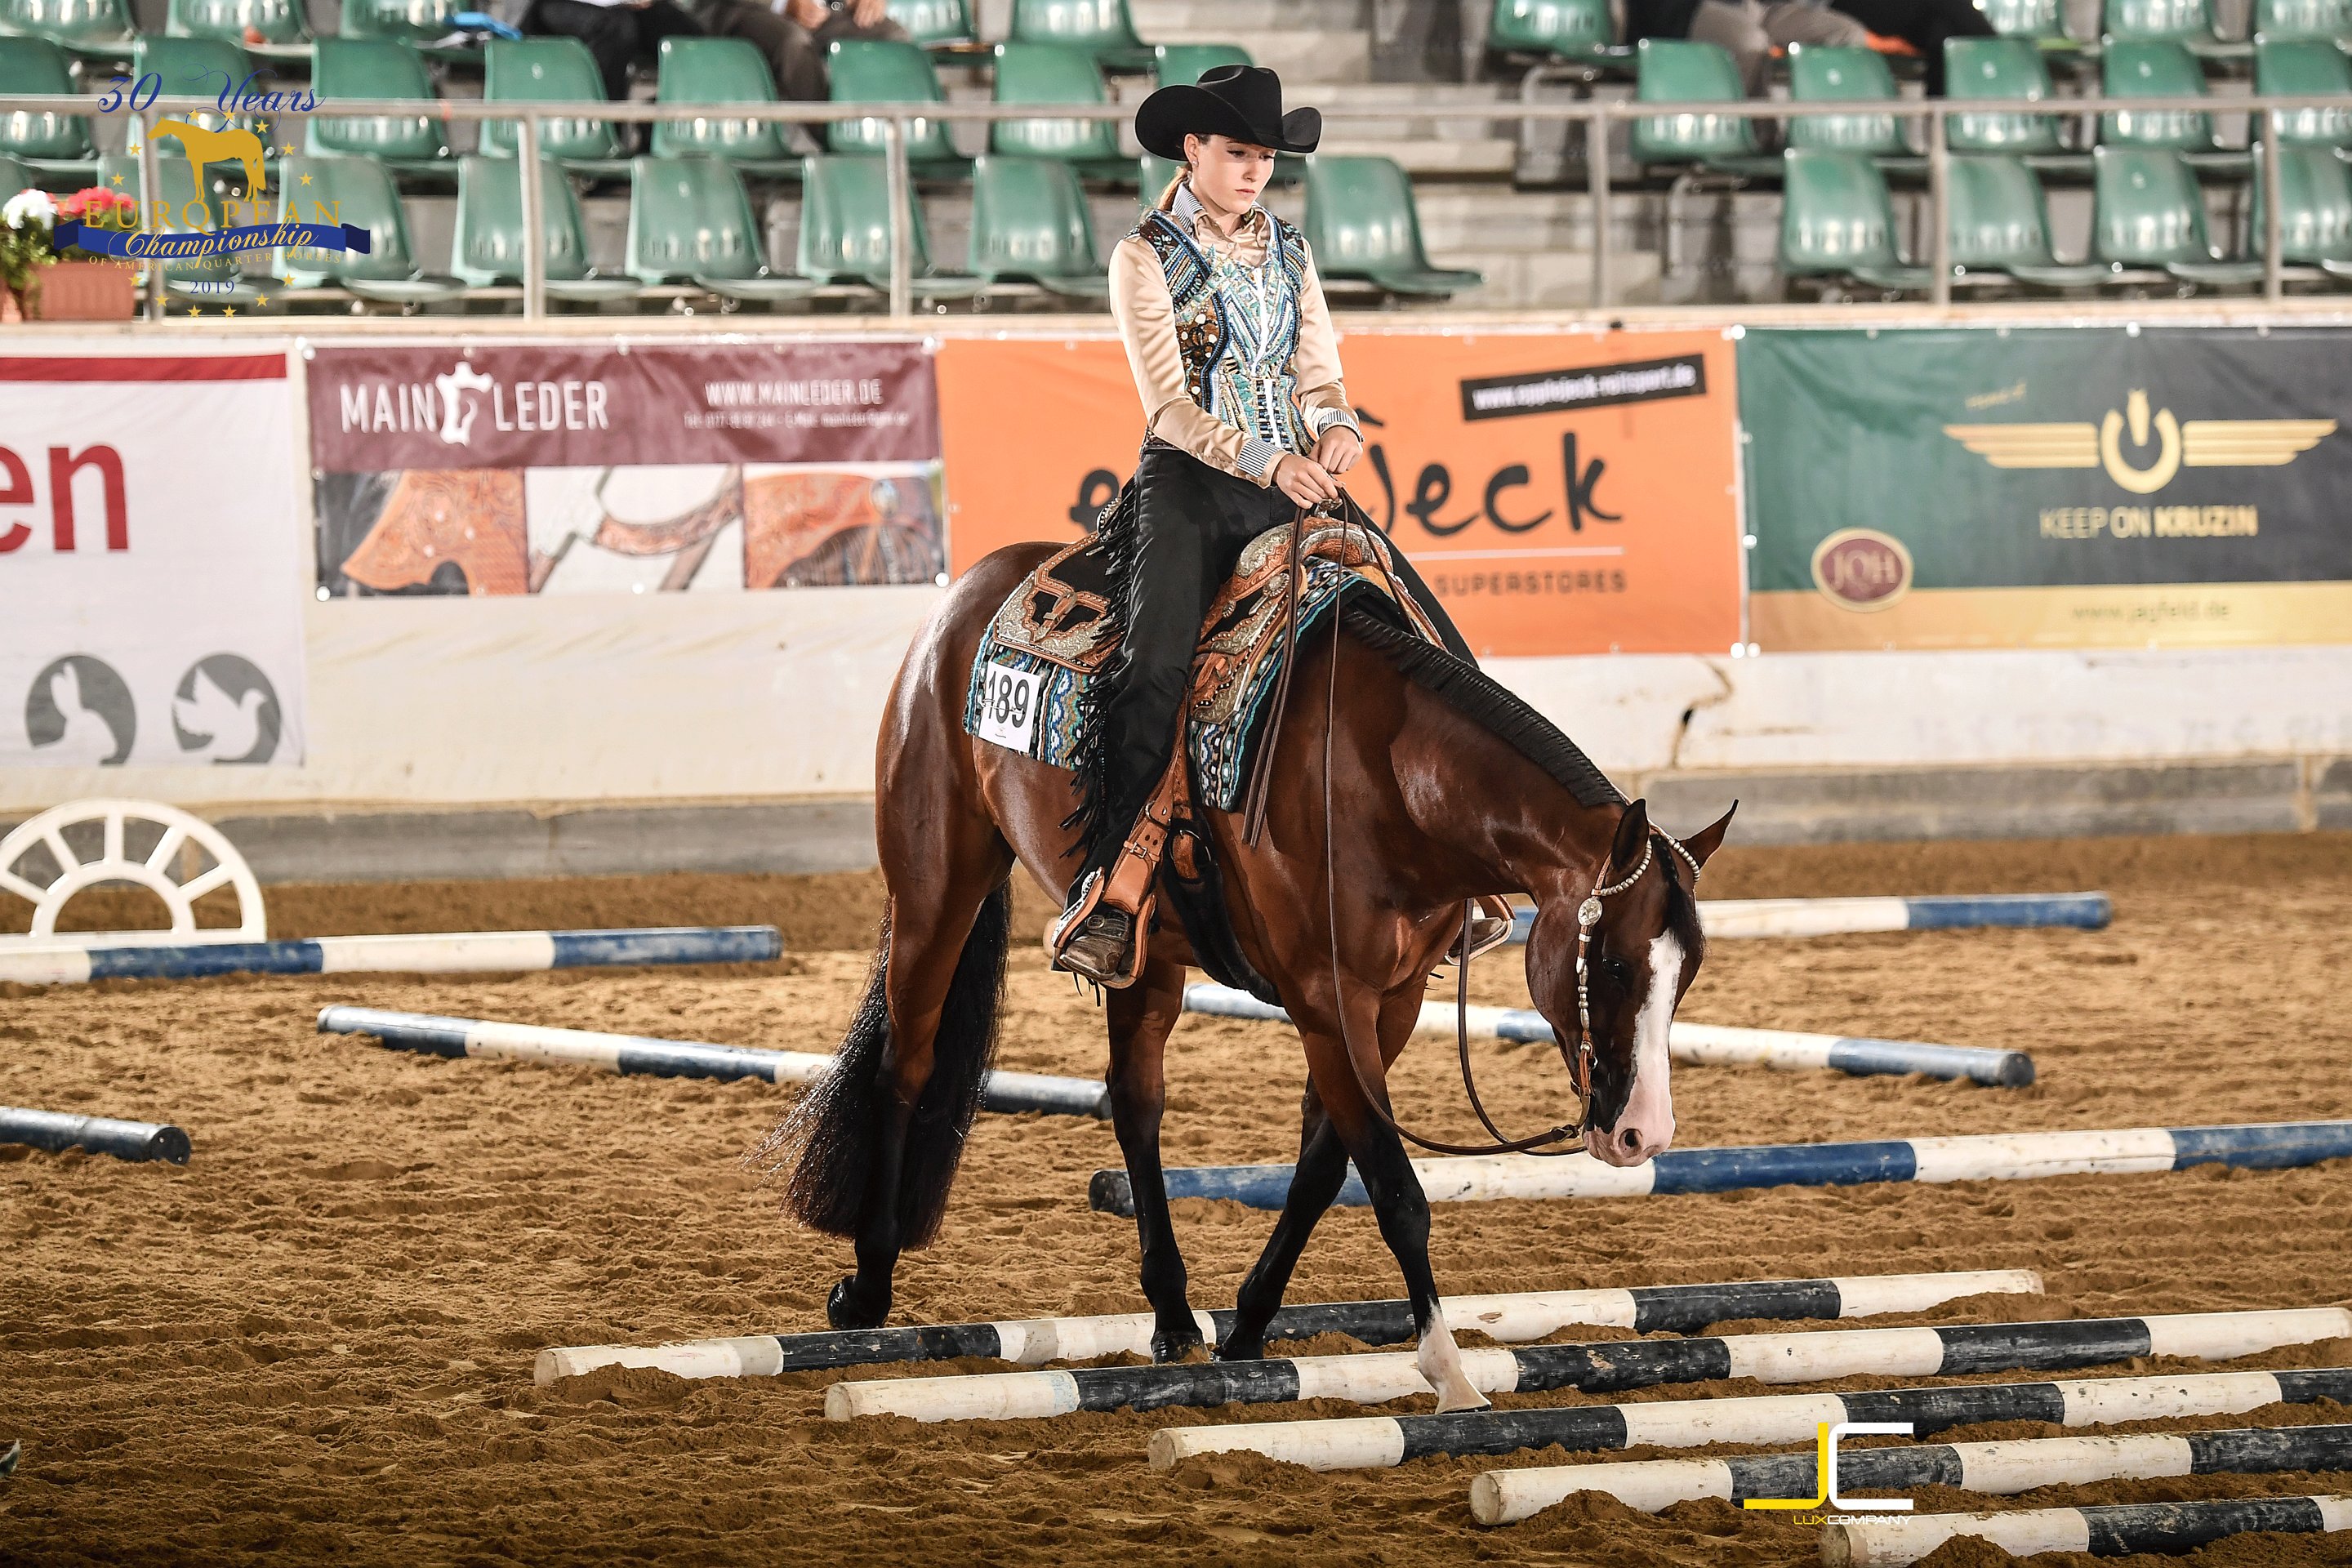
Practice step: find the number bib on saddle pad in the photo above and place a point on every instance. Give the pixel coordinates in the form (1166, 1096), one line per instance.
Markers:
(1054, 635)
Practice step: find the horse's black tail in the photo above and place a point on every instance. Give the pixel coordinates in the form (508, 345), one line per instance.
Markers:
(830, 1138)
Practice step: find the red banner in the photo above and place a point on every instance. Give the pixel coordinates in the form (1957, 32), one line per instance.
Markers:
(1562, 492)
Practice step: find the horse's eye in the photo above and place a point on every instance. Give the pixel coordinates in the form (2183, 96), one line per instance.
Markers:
(1619, 972)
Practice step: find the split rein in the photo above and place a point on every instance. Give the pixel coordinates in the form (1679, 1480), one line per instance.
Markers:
(1576, 1055)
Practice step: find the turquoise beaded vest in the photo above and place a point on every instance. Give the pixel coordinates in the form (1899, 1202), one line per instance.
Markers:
(1237, 328)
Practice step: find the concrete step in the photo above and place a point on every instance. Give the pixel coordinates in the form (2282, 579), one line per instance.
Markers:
(1522, 280)
(1412, 124)
(1304, 55)
(1433, 156)
(1240, 21)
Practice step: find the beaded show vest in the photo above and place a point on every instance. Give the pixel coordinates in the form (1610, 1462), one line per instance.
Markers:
(1237, 327)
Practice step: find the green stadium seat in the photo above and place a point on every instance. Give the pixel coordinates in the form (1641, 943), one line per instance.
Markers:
(1675, 70)
(720, 70)
(1363, 224)
(1030, 224)
(418, 22)
(885, 71)
(2039, 20)
(16, 175)
(197, 65)
(1823, 75)
(205, 282)
(1581, 31)
(2314, 211)
(2188, 22)
(1051, 74)
(56, 146)
(1098, 27)
(2137, 69)
(936, 23)
(358, 192)
(487, 246)
(1182, 65)
(1152, 175)
(1836, 220)
(551, 70)
(845, 232)
(2000, 224)
(690, 217)
(2011, 68)
(2306, 67)
(377, 67)
(2286, 21)
(2148, 212)
(103, 29)
(281, 31)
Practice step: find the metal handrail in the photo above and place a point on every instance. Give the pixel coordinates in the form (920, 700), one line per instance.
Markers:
(897, 119)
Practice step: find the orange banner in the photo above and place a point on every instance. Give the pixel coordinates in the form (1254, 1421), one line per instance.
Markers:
(1563, 492)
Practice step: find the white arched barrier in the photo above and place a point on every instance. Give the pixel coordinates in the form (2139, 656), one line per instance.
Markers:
(114, 863)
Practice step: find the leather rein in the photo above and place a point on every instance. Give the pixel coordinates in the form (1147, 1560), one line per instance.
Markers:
(1576, 1055)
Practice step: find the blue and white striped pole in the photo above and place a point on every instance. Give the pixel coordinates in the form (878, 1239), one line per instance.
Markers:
(1377, 1442)
(1729, 918)
(1606, 1367)
(1506, 1497)
(57, 1131)
(640, 1054)
(2105, 1530)
(1974, 1157)
(1696, 1045)
(451, 953)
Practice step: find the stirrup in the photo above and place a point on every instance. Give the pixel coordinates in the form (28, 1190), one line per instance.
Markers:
(1072, 938)
(1487, 931)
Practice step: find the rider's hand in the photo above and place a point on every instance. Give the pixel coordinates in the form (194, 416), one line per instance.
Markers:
(1304, 480)
(1338, 449)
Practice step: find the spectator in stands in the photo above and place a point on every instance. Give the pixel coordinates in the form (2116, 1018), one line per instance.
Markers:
(795, 34)
(1750, 29)
(616, 31)
(1922, 24)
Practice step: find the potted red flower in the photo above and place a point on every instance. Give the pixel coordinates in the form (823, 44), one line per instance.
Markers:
(75, 285)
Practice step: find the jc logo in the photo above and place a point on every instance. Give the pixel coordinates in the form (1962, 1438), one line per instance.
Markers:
(1825, 1484)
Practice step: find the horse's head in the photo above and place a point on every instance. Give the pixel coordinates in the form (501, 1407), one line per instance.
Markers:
(1632, 926)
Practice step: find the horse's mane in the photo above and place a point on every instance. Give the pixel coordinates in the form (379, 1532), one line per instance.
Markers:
(1478, 696)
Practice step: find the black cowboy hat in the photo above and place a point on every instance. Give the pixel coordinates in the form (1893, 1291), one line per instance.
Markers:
(1243, 102)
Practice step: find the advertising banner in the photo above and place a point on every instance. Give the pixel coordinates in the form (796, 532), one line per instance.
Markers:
(2066, 487)
(618, 468)
(1561, 492)
(151, 572)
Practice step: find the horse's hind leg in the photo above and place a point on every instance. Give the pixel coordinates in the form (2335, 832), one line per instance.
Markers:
(1140, 1018)
(949, 906)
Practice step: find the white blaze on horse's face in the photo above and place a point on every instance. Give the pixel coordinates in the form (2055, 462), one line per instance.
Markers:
(1646, 1125)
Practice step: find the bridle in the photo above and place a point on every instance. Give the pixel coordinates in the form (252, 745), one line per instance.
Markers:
(1576, 1055)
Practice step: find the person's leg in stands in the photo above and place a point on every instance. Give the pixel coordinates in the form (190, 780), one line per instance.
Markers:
(751, 20)
(1925, 25)
(1737, 26)
(1789, 22)
(609, 31)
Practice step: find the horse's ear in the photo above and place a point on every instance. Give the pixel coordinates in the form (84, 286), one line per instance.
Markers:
(1632, 838)
(1709, 839)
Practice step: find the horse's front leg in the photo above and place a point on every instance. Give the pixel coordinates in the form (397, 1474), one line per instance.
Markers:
(1140, 1018)
(1398, 1201)
(1315, 1183)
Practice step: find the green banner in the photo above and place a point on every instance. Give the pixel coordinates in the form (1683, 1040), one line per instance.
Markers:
(2060, 486)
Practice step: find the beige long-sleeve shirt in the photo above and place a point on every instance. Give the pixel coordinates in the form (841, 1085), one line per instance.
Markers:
(1146, 314)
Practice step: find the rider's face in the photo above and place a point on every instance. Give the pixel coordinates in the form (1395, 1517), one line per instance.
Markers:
(1226, 174)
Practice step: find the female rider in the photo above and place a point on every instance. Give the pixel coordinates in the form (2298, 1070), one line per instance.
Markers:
(1245, 422)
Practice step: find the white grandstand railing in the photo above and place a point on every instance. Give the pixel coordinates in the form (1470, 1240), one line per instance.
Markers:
(896, 119)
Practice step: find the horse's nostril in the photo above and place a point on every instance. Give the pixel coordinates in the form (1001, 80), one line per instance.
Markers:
(1630, 1140)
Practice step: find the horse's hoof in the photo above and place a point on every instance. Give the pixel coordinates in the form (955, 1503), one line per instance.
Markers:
(1167, 1347)
(843, 1309)
(1236, 1348)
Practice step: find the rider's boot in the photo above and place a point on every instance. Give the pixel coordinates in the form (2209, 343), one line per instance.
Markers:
(1101, 934)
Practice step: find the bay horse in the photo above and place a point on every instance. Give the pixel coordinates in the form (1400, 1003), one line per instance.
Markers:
(1429, 806)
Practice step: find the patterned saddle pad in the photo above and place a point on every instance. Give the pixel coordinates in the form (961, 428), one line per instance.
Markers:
(1054, 633)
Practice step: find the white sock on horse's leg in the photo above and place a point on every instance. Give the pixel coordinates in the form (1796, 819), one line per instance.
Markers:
(1441, 1364)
